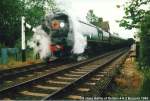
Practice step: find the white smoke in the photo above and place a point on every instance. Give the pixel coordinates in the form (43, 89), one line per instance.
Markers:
(40, 42)
(79, 44)
(79, 40)
(64, 5)
(75, 37)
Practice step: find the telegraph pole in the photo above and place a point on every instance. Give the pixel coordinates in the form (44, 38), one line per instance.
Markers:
(23, 43)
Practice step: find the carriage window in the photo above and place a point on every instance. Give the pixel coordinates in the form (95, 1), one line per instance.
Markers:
(100, 34)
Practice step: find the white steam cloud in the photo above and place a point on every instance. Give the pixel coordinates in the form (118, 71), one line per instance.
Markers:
(40, 43)
(76, 37)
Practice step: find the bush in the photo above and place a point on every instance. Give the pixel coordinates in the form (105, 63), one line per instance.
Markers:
(145, 41)
(145, 89)
(2, 45)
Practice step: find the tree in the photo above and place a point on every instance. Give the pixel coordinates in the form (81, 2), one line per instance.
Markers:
(10, 17)
(137, 16)
(145, 40)
(10, 11)
(93, 19)
(134, 13)
(97, 21)
(35, 11)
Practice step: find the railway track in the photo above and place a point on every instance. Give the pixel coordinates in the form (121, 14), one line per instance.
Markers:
(24, 69)
(15, 76)
(56, 84)
(97, 85)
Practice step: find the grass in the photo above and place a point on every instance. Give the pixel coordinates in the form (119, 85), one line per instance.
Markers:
(145, 89)
(13, 63)
(137, 85)
(129, 82)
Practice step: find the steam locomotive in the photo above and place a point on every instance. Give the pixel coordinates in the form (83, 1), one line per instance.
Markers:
(75, 38)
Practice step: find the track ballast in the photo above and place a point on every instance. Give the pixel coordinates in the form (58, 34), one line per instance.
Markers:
(58, 84)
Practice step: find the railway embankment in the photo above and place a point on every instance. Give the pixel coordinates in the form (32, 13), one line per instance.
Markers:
(17, 64)
(130, 80)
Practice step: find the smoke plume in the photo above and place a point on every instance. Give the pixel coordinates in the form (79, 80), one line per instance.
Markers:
(40, 42)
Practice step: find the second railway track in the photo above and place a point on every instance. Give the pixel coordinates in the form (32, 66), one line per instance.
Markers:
(34, 67)
(57, 84)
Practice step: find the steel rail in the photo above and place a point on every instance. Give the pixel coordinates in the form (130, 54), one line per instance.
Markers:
(10, 73)
(60, 93)
(36, 80)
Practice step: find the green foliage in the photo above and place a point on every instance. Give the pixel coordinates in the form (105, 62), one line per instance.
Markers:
(145, 89)
(35, 10)
(10, 11)
(10, 17)
(134, 13)
(145, 40)
(93, 19)
(138, 16)
(2, 45)
(34, 15)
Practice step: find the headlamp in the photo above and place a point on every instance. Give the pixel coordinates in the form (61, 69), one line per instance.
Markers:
(62, 24)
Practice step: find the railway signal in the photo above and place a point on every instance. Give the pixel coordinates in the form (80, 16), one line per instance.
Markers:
(23, 44)
(24, 25)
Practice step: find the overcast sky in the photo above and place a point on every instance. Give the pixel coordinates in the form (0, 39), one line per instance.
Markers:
(102, 8)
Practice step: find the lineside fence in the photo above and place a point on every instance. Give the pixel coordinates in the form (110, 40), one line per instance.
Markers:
(8, 55)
